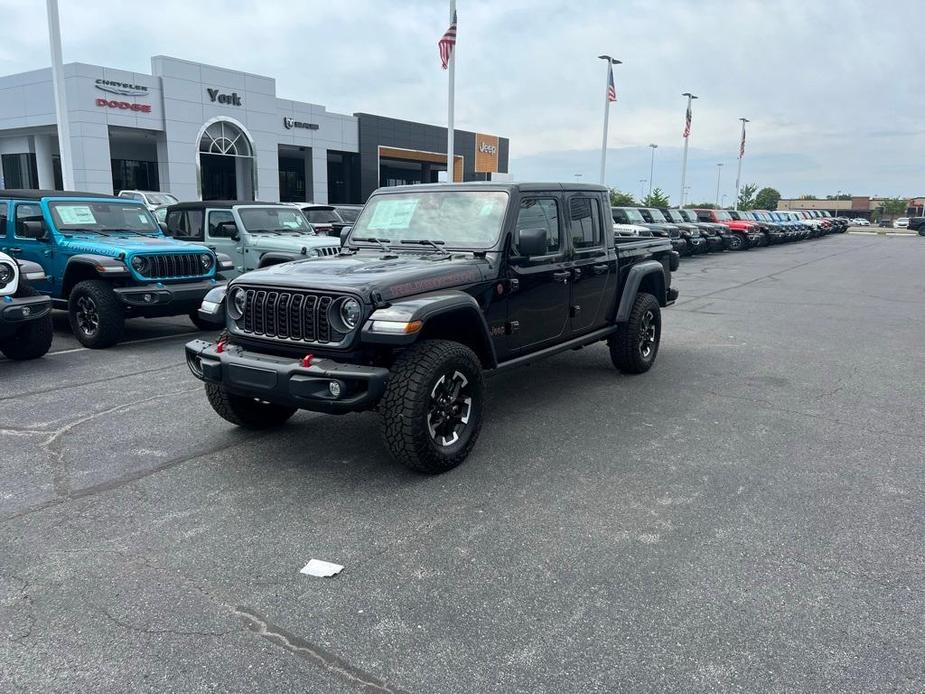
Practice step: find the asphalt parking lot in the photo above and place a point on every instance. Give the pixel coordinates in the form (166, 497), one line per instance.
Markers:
(748, 516)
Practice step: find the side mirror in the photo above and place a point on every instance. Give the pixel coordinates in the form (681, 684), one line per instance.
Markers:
(226, 230)
(34, 229)
(532, 242)
(344, 235)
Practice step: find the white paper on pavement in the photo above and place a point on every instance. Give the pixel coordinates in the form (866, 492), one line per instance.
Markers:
(322, 569)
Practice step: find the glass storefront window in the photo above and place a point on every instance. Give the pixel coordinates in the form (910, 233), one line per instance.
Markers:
(19, 171)
(132, 174)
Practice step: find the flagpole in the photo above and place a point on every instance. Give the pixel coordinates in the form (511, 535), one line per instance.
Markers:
(609, 63)
(451, 105)
(57, 79)
(741, 155)
(690, 97)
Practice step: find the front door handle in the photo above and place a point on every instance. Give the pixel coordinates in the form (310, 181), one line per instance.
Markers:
(561, 276)
(16, 250)
(599, 269)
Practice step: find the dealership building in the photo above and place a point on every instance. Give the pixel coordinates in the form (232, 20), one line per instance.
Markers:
(205, 133)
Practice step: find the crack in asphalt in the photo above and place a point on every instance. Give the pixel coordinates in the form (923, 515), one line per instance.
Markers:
(313, 653)
(156, 632)
(23, 591)
(60, 477)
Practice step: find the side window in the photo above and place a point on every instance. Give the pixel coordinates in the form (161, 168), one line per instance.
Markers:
(26, 213)
(542, 213)
(216, 217)
(3, 219)
(585, 217)
(621, 217)
(175, 225)
(194, 224)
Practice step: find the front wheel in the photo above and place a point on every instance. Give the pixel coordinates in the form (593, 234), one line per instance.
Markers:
(202, 323)
(432, 406)
(635, 345)
(245, 412)
(736, 242)
(95, 314)
(32, 339)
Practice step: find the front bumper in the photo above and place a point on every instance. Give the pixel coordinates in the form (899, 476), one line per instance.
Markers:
(15, 311)
(159, 299)
(698, 244)
(715, 243)
(284, 381)
(679, 245)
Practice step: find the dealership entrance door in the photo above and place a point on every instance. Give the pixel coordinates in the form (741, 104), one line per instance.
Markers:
(226, 163)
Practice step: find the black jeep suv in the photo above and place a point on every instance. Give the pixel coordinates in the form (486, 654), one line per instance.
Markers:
(434, 285)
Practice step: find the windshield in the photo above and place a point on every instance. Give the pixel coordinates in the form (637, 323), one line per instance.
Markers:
(687, 215)
(633, 215)
(674, 216)
(657, 217)
(349, 214)
(722, 215)
(103, 217)
(280, 219)
(467, 219)
(160, 214)
(321, 215)
(161, 199)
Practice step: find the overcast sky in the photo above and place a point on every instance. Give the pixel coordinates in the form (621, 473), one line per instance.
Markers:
(835, 88)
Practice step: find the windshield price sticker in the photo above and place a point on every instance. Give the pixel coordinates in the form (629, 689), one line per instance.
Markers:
(75, 214)
(393, 214)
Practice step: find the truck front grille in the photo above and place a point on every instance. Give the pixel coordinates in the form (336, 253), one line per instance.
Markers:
(171, 266)
(328, 250)
(287, 314)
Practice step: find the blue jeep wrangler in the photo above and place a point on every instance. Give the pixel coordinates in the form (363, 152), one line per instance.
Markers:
(105, 260)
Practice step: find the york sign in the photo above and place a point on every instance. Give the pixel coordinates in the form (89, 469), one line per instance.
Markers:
(228, 99)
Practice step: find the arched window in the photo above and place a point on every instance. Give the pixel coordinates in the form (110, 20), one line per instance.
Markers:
(225, 138)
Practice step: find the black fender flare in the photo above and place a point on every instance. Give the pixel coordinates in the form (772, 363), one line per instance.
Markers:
(277, 257)
(637, 273)
(102, 266)
(427, 308)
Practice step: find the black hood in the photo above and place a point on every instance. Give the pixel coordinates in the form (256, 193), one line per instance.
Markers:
(390, 275)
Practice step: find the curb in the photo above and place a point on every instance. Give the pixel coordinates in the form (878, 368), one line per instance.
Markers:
(884, 233)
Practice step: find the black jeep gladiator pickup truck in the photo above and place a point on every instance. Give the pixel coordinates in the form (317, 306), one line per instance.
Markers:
(434, 285)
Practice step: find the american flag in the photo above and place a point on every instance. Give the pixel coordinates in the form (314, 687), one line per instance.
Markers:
(687, 120)
(611, 90)
(742, 144)
(446, 43)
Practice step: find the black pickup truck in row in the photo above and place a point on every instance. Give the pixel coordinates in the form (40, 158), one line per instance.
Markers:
(434, 285)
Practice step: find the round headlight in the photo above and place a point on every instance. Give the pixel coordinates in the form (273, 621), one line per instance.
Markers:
(237, 301)
(139, 263)
(205, 259)
(350, 312)
(6, 273)
(312, 253)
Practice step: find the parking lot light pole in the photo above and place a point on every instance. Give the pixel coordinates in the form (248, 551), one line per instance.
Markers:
(642, 188)
(57, 79)
(609, 63)
(687, 133)
(719, 170)
(652, 167)
(741, 155)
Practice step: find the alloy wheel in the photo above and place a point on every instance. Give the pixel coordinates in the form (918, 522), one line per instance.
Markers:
(88, 318)
(647, 335)
(450, 408)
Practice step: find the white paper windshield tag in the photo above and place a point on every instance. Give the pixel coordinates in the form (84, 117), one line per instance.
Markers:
(75, 214)
(393, 214)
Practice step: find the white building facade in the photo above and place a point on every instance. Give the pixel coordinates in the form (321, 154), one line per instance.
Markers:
(195, 130)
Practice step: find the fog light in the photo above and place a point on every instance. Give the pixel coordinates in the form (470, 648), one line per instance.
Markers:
(26, 311)
(194, 362)
(147, 298)
(334, 387)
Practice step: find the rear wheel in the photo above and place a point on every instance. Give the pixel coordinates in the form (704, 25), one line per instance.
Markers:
(432, 406)
(32, 339)
(635, 345)
(245, 412)
(96, 315)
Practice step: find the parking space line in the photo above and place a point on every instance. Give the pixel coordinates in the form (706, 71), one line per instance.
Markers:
(129, 342)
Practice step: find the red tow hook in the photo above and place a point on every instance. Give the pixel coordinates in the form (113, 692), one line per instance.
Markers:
(219, 347)
(307, 360)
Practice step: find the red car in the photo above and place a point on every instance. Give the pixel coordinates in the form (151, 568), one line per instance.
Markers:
(748, 233)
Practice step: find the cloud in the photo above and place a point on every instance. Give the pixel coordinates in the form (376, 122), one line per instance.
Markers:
(835, 91)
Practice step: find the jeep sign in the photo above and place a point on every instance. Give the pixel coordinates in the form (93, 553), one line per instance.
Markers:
(486, 153)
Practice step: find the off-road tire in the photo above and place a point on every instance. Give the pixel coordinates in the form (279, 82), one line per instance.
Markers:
(626, 346)
(109, 311)
(406, 406)
(737, 242)
(245, 412)
(204, 324)
(32, 339)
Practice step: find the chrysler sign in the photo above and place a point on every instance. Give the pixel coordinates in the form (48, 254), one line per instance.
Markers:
(121, 88)
(289, 124)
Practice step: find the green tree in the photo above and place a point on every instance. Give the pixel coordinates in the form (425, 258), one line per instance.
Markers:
(893, 207)
(702, 205)
(767, 199)
(656, 198)
(747, 196)
(840, 196)
(620, 199)
(807, 196)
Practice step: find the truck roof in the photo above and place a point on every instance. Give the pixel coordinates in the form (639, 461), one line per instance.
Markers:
(32, 194)
(224, 204)
(488, 185)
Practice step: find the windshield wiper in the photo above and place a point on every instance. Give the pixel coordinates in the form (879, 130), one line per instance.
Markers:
(383, 243)
(428, 242)
(79, 230)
